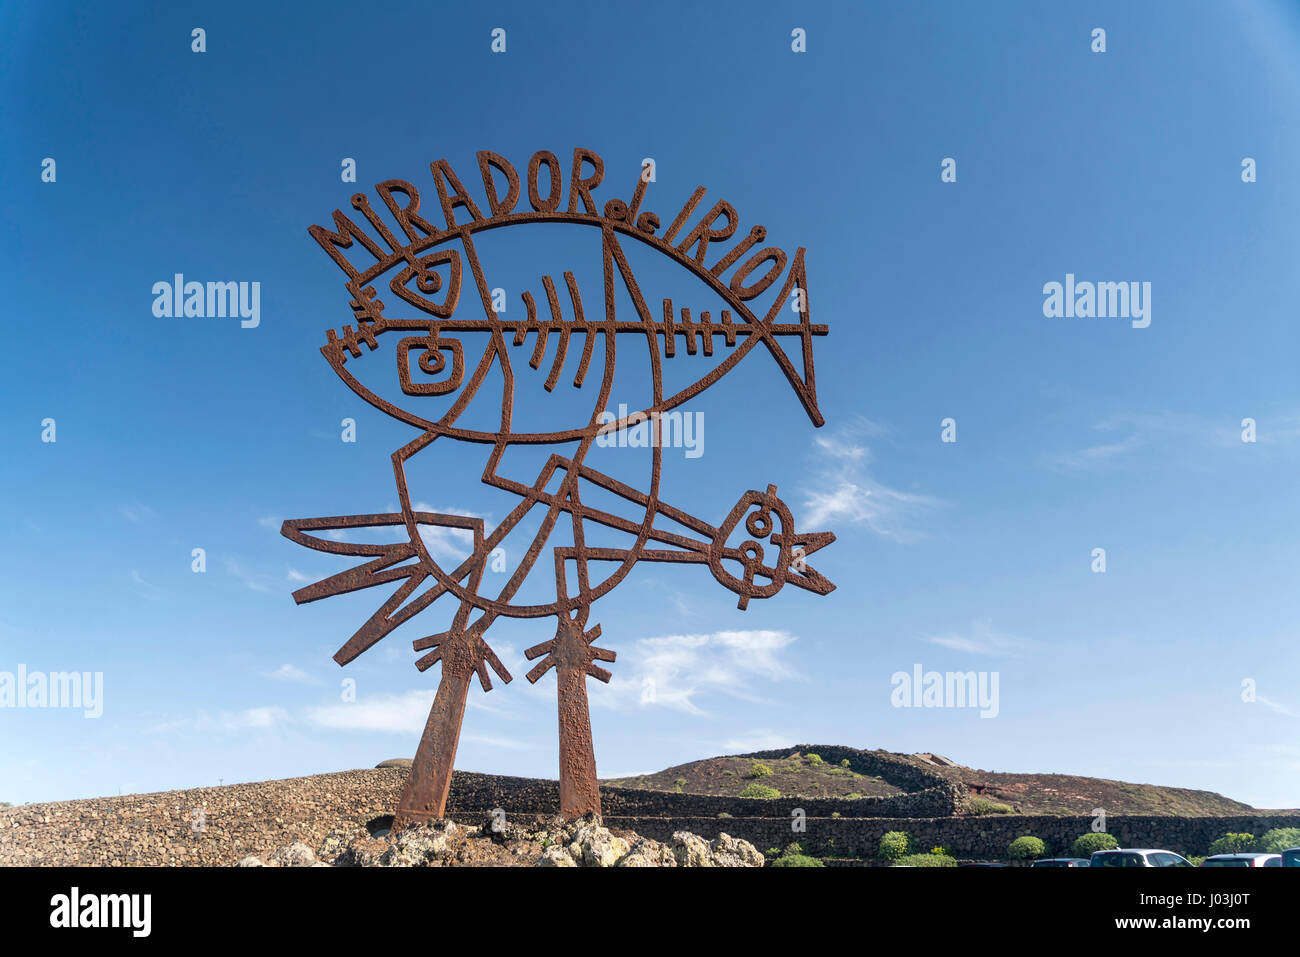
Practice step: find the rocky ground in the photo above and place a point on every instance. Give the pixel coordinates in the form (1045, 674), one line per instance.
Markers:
(496, 842)
(199, 826)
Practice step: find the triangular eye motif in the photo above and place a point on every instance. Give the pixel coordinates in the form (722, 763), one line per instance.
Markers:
(795, 294)
(429, 283)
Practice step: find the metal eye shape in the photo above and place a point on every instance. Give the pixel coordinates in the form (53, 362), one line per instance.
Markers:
(431, 362)
(428, 282)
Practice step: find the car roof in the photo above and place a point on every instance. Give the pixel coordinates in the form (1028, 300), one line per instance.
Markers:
(1224, 857)
(1137, 850)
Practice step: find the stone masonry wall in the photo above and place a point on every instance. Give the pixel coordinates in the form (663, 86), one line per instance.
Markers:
(240, 819)
(969, 838)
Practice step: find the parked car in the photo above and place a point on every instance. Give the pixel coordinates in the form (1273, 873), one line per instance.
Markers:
(1291, 857)
(1137, 857)
(980, 864)
(1061, 862)
(1243, 860)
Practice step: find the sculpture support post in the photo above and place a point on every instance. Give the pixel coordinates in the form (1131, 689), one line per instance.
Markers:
(425, 796)
(579, 793)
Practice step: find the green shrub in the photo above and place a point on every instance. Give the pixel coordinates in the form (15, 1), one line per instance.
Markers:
(723, 814)
(1026, 848)
(926, 860)
(815, 759)
(1085, 844)
(1232, 843)
(981, 806)
(1196, 861)
(794, 847)
(760, 791)
(894, 845)
(844, 763)
(941, 850)
(795, 860)
(759, 770)
(1279, 839)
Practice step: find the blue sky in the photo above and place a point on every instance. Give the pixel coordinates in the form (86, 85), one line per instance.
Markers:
(1072, 434)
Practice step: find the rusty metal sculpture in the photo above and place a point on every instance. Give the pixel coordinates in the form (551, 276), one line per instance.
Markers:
(418, 258)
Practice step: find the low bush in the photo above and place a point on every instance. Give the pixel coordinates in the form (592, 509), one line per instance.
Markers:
(926, 860)
(894, 845)
(760, 791)
(1026, 848)
(1279, 839)
(981, 806)
(759, 770)
(1232, 843)
(1086, 844)
(815, 759)
(795, 860)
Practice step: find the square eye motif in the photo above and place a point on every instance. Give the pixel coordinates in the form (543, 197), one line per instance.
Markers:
(432, 362)
(428, 282)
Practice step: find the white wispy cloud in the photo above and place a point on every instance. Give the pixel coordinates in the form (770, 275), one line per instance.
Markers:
(270, 521)
(400, 713)
(1277, 707)
(249, 719)
(288, 672)
(296, 576)
(1168, 434)
(758, 741)
(247, 578)
(843, 489)
(674, 670)
(151, 591)
(982, 639)
(136, 513)
(446, 544)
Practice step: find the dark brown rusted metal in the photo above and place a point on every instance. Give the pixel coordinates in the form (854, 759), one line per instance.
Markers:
(417, 258)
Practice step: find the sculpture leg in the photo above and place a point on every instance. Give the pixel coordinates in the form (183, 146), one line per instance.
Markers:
(425, 795)
(579, 793)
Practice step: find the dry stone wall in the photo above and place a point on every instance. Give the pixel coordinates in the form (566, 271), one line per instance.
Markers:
(222, 824)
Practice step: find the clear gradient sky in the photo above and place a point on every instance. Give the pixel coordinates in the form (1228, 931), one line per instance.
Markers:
(1072, 434)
